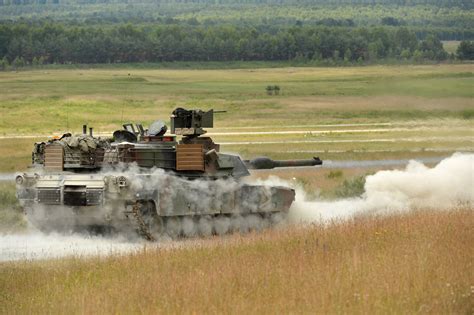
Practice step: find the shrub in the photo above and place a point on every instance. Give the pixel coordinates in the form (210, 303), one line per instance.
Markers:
(276, 89)
(352, 187)
(269, 90)
(465, 50)
(334, 174)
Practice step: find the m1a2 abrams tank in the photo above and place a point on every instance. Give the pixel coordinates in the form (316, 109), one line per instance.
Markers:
(149, 182)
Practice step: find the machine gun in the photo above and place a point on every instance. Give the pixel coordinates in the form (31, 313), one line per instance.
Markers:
(191, 122)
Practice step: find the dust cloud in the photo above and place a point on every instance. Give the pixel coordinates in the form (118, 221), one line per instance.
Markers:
(448, 185)
(36, 245)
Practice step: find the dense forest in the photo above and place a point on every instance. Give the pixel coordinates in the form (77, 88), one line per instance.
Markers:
(449, 20)
(325, 31)
(440, 3)
(127, 43)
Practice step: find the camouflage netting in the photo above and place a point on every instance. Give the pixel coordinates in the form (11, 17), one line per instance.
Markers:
(78, 149)
(84, 143)
(38, 153)
(82, 149)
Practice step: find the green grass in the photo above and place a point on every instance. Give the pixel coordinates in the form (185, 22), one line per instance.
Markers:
(330, 185)
(49, 102)
(11, 217)
(243, 84)
(52, 100)
(352, 187)
(334, 174)
(15, 154)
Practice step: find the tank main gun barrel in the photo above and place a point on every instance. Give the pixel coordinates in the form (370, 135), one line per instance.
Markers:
(264, 163)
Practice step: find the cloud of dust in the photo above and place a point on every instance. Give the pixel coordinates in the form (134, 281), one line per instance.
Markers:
(198, 194)
(448, 185)
(36, 245)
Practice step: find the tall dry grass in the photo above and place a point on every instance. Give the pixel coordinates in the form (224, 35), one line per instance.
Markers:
(418, 262)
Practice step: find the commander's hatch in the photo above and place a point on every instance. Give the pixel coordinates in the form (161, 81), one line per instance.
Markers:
(135, 129)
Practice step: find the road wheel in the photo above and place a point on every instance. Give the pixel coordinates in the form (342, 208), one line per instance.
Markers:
(173, 227)
(221, 225)
(254, 222)
(190, 227)
(205, 226)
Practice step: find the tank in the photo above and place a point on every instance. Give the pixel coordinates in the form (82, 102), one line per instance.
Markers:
(150, 182)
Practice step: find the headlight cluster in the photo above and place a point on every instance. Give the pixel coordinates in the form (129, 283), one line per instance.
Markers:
(122, 181)
(20, 179)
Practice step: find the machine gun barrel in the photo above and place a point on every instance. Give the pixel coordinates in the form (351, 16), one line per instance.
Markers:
(264, 163)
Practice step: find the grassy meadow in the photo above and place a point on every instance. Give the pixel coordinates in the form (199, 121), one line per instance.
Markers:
(418, 262)
(406, 263)
(425, 108)
(48, 101)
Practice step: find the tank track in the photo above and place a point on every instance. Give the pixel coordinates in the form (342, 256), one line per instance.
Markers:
(142, 228)
(206, 225)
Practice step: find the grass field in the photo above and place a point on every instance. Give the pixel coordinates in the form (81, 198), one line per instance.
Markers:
(428, 102)
(50, 101)
(11, 216)
(418, 262)
(412, 263)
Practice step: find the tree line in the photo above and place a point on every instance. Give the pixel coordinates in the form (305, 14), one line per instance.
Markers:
(56, 43)
(441, 3)
(449, 20)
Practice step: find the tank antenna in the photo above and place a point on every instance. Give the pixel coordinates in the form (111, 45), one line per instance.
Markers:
(67, 117)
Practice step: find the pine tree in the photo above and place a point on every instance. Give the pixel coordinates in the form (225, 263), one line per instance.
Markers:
(465, 50)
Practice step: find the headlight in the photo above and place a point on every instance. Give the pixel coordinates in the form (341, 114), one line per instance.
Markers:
(122, 181)
(19, 180)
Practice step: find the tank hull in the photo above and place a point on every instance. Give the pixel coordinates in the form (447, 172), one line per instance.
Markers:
(153, 204)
